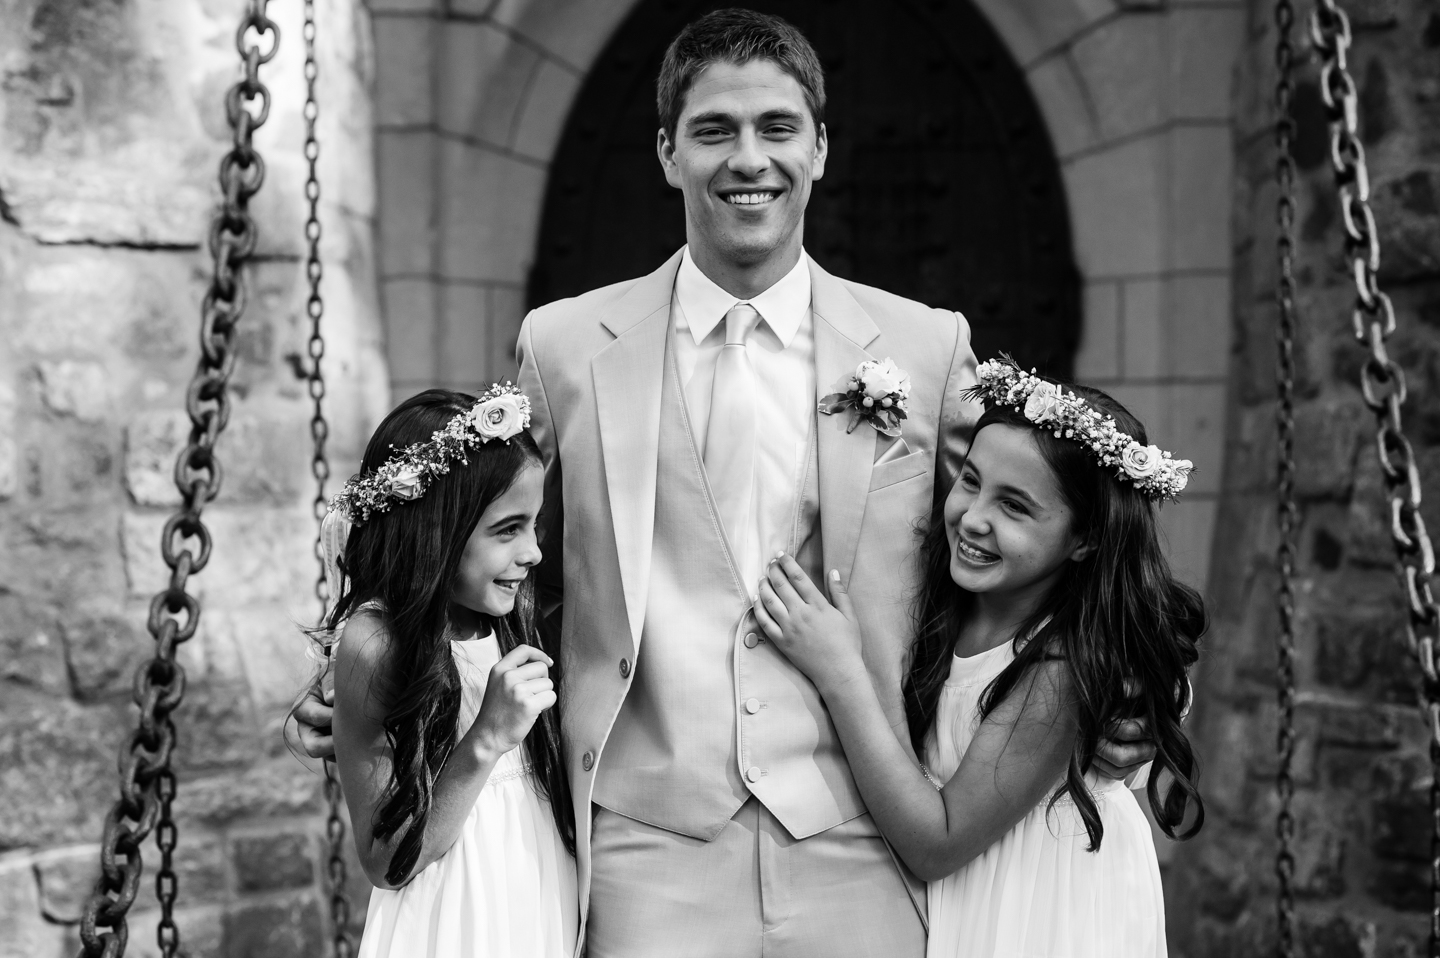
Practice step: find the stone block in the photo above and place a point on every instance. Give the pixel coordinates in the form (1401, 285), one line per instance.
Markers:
(1142, 329)
(152, 441)
(1197, 325)
(65, 878)
(1403, 886)
(57, 767)
(1337, 937)
(1117, 209)
(31, 650)
(1193, 427)
(1069, 115)
(485, 76)
(1356, 725)
(1201, 161)
(412, 329)
(1361, 645)
(9, 467)
(1319, 847)
(265, 791)
(1098, 359)
(1204, 44)
(507, 312)
(1406, 207)
(380, 8)
(572, 31)
(491, 217)
(541, 119)
(272, 862)
(1031, 30)
(102, 653)
(201, 930)
(72, 298)
(24, 932)
(258, 555)
(78, 388)
(1327, 439)
(286, 929)
(407, 182)
(218, 728)
(1186, 531)
(464, 335)
(1123, 65)
(1401, 826)
(404, 63)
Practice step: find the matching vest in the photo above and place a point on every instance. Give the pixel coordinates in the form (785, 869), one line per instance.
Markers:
(715, 713)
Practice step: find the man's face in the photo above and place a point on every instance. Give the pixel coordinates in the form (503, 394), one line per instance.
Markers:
(744, 154)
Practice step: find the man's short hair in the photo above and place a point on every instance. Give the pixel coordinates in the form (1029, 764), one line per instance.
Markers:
(736, 35)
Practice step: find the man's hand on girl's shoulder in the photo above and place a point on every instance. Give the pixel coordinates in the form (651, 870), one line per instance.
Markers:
(1125, 749)
(313, 715)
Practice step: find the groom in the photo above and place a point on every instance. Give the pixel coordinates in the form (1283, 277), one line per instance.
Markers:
(715, 811)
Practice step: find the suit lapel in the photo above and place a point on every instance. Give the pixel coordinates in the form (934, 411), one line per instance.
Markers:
(628, 376)
(842, 331)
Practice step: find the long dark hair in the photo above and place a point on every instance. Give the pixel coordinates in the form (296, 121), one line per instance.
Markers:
(1116, 614)
(406, 561)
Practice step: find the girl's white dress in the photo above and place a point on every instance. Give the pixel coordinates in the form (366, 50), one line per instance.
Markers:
(506, 888)
(1037, 893)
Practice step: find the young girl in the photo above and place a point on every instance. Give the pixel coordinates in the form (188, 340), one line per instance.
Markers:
(1047, 615)
(445, 734)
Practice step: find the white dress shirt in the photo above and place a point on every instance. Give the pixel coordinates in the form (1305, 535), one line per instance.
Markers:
(782, 353)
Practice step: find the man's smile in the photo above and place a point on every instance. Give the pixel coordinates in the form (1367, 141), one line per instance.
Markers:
(751, 197)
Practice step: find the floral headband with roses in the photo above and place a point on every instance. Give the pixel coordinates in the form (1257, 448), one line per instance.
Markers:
(1067, 416)
(502, 412)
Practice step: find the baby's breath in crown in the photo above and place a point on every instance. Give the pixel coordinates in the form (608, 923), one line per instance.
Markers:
(502, 412)
(1067, 416)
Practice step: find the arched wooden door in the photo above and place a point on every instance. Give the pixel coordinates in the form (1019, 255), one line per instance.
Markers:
(941, 185)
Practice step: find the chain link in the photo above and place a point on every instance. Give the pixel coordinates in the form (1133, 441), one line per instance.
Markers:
(1382, 383)
(320, 468)
(1287, 511)
(147, 784)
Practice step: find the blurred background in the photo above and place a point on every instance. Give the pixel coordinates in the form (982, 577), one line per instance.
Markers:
(1090, 181)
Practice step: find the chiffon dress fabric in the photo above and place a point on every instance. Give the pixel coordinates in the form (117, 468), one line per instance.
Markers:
(1037, 892)
(506, 888)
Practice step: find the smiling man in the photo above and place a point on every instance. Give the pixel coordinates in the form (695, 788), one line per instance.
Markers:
(684, 447)
(678, 416)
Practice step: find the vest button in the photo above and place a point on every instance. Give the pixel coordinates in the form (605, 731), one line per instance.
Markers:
(752, 706)
(624, 668)
(588, 760)
(751, 640)
(754, 773)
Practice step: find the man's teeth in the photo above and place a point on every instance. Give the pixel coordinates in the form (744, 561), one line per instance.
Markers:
(749, 199)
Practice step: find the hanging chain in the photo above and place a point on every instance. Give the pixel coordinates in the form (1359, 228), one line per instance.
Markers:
(1382, 383)
(320, 467)
(147, 784)
(1288, 513)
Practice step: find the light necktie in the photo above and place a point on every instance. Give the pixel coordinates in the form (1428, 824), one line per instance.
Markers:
(730, 438)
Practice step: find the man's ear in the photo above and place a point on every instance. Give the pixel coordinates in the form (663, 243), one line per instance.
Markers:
(665, 150)
(822, 152)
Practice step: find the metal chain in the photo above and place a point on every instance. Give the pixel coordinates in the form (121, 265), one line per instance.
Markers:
(1287, 512)
(147, 784)
(320, 468)
(1382, 383)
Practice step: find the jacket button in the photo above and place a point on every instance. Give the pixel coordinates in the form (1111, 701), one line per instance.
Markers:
(752, 706)
(588, 760)
(624, 668)
(754, 773)
(751, 640)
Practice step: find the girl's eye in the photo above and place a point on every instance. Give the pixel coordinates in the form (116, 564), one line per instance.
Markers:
(968, 481)
(1012, 506)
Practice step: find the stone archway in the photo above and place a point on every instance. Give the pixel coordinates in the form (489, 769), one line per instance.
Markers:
(1136, 96)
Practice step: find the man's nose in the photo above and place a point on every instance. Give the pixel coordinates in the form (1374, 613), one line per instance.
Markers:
(749, 159)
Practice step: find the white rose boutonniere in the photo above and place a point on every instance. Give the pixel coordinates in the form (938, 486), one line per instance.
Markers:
(1140, 462)
(499, 418)
(877, 393)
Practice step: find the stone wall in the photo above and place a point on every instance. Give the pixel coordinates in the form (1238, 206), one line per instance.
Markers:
(111, 130)
(1361, 771)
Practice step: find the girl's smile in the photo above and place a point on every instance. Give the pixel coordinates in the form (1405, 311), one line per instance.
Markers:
(1009, 526)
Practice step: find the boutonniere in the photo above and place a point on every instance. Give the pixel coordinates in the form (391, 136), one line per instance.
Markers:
(876, 394)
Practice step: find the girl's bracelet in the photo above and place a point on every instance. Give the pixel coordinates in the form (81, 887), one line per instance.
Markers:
(939, 786)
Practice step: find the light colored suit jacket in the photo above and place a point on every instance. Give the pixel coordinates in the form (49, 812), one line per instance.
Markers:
(592, 367)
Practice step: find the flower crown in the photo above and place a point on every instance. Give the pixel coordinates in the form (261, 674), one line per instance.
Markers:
(1066, 415)
(502, 412)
